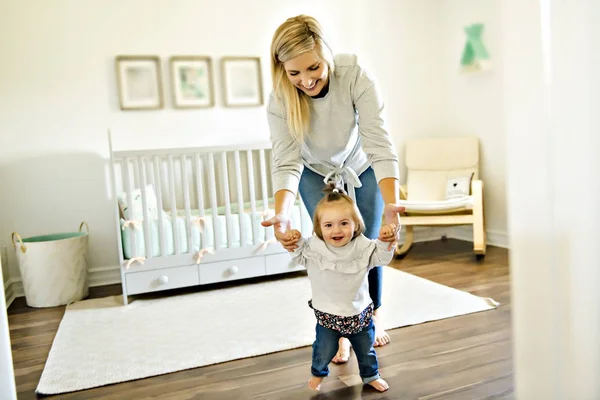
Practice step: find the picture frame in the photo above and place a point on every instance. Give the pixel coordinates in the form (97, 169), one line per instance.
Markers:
(139, 82)
(192, 82)
(242, 81)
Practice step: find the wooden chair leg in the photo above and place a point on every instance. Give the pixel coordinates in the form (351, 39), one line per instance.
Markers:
(408, 241)
(479, 239)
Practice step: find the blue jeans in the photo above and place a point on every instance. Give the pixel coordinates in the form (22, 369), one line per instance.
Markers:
(370, 205)
(325, 347)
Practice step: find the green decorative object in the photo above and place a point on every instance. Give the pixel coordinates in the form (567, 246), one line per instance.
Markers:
(475, 56)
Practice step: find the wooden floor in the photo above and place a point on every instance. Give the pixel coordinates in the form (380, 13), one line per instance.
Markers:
(466, 357)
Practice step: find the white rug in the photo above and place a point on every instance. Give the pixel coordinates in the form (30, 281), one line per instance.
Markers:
(101, 342)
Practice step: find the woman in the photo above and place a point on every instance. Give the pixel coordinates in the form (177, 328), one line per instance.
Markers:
(325, 120)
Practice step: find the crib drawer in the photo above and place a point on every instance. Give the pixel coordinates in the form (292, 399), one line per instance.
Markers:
(280, 264)
(162, 279)
(232, 270)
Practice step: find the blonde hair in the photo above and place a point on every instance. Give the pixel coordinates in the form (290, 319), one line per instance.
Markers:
(297, 35)
(337, 197)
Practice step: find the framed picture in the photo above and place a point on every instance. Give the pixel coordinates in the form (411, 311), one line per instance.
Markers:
(138, 79)
(191, 82)
(242, 81)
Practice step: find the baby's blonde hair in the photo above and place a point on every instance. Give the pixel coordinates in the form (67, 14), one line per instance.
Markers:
(334, 197)
(297, 35)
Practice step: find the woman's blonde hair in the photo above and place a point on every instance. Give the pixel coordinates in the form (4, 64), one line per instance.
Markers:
(296, 36)
(336, 196)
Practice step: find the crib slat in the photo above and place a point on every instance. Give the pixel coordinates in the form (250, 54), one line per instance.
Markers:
(199, 185)
(149, 168)
(158, 181)
(213, 199)
(173, 204)
(254, 216)
(127, 181)
(263, 184)
(186, 201)
(141, 178)
(263, 180)
(113, 178)
(240, 198)
(269, 156)
(198, 171)
(225, 183)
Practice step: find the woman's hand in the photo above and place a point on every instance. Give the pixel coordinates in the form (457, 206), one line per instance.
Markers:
(391, 215)
(281, 224)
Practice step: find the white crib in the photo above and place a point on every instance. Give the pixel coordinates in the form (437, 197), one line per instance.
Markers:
(191, 216)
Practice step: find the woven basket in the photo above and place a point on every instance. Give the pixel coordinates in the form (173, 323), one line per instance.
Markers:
(53, 267)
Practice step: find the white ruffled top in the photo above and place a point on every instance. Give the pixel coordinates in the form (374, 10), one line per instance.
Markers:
(338, 275)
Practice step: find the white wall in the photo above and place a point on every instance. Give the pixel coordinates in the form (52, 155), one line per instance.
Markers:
(472, 103)
(415, 47)
(58, 97)
(402, 47)
(58, 93)
(4, 262)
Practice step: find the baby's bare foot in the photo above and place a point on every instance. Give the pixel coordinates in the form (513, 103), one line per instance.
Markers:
(315, 383)
(381, 336)
(343, 354)
(380, 384)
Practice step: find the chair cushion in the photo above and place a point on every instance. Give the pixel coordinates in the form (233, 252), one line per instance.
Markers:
(461, 203)
(431, 185)
(432, 162)
(438, 154)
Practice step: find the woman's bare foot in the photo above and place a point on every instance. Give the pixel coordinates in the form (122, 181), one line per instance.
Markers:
(315, 383)
(381, 336)
(343, 354)
(380, 384)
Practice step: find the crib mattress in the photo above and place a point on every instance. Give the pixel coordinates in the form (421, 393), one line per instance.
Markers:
(134, 241)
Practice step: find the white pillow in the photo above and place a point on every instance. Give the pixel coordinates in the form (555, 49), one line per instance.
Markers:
(458, 186)
(135, 212)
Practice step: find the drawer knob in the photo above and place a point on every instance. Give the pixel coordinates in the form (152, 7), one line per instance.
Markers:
(233, 270)
(163, 279)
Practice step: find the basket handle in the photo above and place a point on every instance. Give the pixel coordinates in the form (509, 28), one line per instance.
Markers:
(23, 248)
(87, 228)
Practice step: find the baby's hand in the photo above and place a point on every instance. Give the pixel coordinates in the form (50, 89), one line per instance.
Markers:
(293, 234)
(388, 233)
(388, 230)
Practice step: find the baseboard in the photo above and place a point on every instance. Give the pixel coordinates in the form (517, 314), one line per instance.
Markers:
(9, 293)
(101, 276)
(494, 238)
(15, 289)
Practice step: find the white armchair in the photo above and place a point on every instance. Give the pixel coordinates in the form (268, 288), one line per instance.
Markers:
(443, 188)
